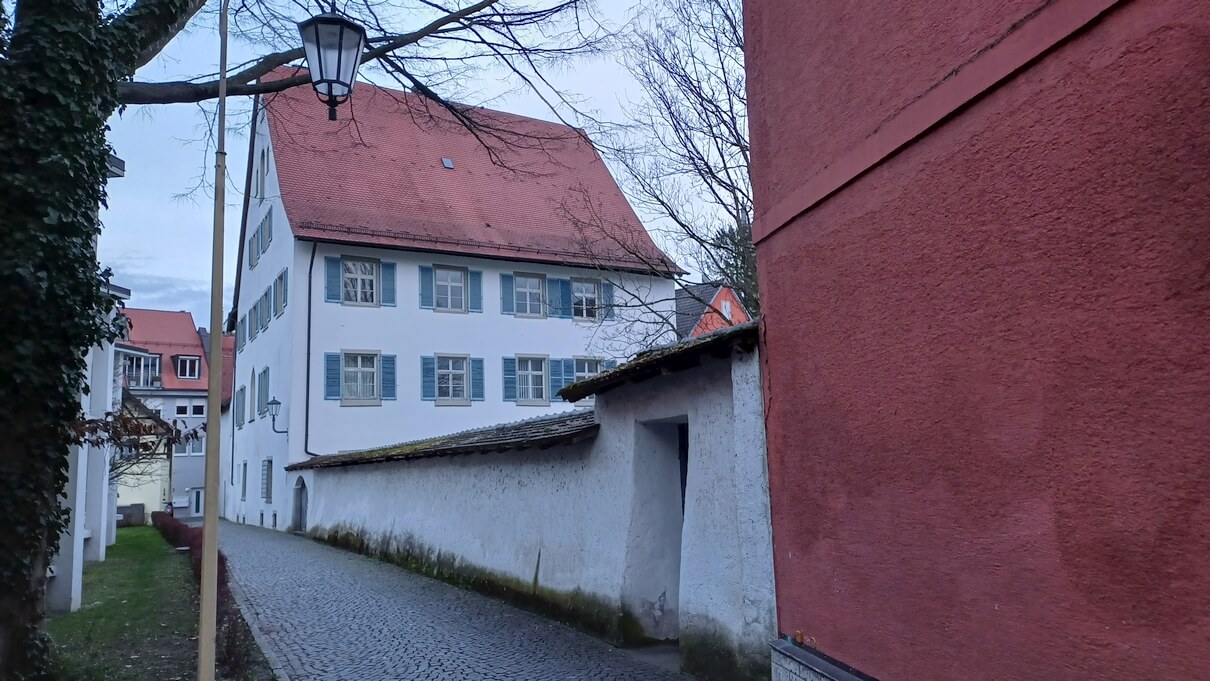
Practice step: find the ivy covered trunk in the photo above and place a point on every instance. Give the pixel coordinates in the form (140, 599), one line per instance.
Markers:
(57, 89)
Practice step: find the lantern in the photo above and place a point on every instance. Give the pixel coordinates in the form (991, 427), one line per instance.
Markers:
(333, 46)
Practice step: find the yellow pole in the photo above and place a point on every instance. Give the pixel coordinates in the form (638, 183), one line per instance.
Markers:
(209, 607)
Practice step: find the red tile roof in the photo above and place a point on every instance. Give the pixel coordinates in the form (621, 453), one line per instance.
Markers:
(377, 177)
(167, 334)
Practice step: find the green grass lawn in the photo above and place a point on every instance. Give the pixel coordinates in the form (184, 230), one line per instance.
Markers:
(138, 618)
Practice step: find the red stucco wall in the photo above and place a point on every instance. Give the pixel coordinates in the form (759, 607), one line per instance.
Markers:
(713, 321)
(988, 358)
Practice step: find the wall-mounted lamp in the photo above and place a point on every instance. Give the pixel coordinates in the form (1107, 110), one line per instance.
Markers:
(274, 410)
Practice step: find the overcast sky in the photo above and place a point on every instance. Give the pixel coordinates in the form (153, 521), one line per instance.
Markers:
(157, 234)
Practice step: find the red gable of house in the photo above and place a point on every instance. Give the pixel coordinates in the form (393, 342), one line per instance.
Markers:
(168, 334)
(378, 176)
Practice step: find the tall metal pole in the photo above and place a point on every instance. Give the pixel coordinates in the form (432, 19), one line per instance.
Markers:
(207, 625)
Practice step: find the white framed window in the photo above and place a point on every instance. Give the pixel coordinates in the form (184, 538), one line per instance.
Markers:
(529, 294)
(531, 381)
(182, 410)
(359, 382)
(585, 298)
(360, 281)
(587, 367)
(142, 371)
(450, 288)
(199, 409)
(188, 367)
(727, 310)
(453, 384)
(194, 447)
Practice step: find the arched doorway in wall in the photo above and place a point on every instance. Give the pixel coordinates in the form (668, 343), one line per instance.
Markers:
(300, 506)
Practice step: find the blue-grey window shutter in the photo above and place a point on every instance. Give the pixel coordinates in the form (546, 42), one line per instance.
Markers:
(507, 295)
(477, 389)
(331, 279)
(428, 375)
(426, 287)
(553, 297)
(388, 284)
(569, 371)
(285, 288)
(474, 293)
(607, 298)
(556, 378)
(388, 377)
(565, 298)
(331, 375)
(611, 364)
(510, 379)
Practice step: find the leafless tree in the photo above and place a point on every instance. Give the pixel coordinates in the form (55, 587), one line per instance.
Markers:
(138, 437)
(684, 152)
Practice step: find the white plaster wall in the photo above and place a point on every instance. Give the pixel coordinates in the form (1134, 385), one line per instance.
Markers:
(497, 511)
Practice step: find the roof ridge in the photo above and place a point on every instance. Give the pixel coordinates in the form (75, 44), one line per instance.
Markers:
(569, 415)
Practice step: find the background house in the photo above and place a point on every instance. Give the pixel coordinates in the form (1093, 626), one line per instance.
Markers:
(702, 308)
(982, 243)
(399, 280)
(164, 366)
(643, 519)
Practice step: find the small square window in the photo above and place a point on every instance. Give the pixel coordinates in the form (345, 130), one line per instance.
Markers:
(188, 367)
(199, 410)
(585, 295)
(360, 278)
(531, 380)
(529, 293)
(182, 410)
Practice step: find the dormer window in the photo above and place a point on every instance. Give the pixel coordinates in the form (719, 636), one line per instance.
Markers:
(188, 366)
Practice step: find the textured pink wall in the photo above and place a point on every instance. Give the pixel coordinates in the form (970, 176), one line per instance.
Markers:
(989, 358)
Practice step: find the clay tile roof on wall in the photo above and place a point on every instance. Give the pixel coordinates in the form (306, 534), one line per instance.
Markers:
(541, 433)
(667, 359)
(228, 368)
(167, 334)
(541, 194)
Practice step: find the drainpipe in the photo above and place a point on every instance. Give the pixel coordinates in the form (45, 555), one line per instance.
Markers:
(307, 360)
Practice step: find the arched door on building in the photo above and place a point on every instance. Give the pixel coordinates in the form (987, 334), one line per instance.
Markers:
(300, 505)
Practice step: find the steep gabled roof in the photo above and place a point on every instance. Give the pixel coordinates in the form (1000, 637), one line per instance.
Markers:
(541, 433)
(692, 301)
(379, 176)
(167, 334)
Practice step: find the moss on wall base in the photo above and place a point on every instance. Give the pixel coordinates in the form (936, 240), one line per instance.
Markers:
(709, 652)
(588, 612)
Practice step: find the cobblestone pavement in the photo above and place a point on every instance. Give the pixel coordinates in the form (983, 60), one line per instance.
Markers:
(324, 613)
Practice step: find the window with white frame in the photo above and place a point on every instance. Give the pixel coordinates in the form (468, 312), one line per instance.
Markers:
(359, 377)
(142, 371)
(450, 288)
(188, 367)
(531, 380)
(195, 446)
(528, 295)
(199, 409)
(587, 367)
(727, 310)
(585, 294)
(182, 410)
(452, 380)
(360, 281)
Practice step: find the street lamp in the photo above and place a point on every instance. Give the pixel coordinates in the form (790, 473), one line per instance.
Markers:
(274, 410)
(333, 46)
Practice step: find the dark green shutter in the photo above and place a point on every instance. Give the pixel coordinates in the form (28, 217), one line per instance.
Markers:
(510, 379)
(474, 290)
(426, 287)
(428, 378)
(507, 295)
(388, 377)
(331, 375)
(477, 387)
(388, 283)
(331, 279)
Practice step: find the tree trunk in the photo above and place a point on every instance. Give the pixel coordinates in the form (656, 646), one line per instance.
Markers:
(57, 88)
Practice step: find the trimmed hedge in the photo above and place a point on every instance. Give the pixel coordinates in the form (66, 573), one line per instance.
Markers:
(232, 645)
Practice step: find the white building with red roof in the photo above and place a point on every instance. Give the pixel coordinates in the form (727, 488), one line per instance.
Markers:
(401, 276)
(163, 363)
